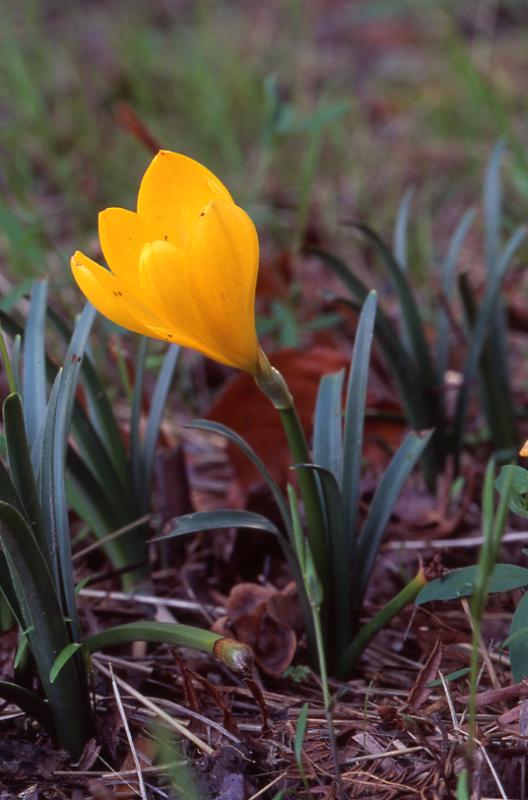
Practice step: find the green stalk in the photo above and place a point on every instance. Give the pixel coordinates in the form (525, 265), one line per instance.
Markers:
(381, 620)
(309, 492)
(272, 384)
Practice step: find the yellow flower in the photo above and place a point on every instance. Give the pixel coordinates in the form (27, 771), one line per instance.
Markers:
(183, 268)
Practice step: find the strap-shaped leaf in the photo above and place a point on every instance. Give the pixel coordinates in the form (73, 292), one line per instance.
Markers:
(413, 392)
(383, 501)
(53, 464)
(34, 368)
(100, 408)
(354, 422)
(519, 640)
(328, 424)
(29, 702)
(409, 307)
(46, 629)
(448, 268)
(401, 229)
(339, 593)
(480, 332)
(216, 520)
(146, 631)
(228, 433)
(135, 417)
(152, 429)
(462, 582)
(498, 396)
(20, 466)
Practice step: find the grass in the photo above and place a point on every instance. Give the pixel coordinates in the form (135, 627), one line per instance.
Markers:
(199, 76)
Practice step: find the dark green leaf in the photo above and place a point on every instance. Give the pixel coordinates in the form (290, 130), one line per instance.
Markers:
(328, 424)
(34, 370)
(519, 488)
(519, 646)
(62, 659)
(461, 583)
(354, 425)
(46, 629)
(383, 502)
(157, 407)
(215, 520)
(29, 702)
(223, 430)
(20, 466)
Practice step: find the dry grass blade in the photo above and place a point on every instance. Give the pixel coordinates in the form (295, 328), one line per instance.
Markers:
(144, 701)
(142, 789)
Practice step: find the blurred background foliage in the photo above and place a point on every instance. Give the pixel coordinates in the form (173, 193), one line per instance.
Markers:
(314, 112)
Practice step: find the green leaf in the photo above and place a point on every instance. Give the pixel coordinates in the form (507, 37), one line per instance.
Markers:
(400, 236)
(383, 502)
(29, 702)
(411, 315)
(62, 659)
(413, 392)
(146, 631)
(462, 582)
(20, 466)
(228, 433)
(159, 399)
(34, 369)
(519, 645)
(100, 409)
(452, 676)
(339, 592)
(215, 520)
(448, 285)
(519, 488)
(53, 465)
(135, 418)
(46, 629)
(354, 425)
(479, 334)
(328, 424)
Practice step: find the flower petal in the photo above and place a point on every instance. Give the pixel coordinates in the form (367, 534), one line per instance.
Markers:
(122, 235)
(173, 190)
(163, 278)
(223, 252)
(111, 297)
(206, 294)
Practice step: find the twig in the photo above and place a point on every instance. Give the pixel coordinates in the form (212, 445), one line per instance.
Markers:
(119, 532)
(148, 599)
